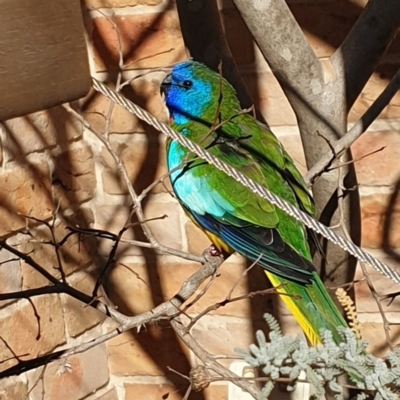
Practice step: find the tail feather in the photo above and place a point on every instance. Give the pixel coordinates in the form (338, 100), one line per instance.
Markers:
(314, 311)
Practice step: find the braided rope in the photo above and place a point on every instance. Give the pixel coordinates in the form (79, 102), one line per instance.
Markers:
(261, 191)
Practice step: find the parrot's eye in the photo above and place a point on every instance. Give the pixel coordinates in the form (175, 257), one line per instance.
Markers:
(187, 84)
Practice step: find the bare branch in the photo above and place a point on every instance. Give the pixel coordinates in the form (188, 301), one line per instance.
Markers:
(209, 362)
(58, 287)
(30, 261)
(53, 242)
(40, 377)
(283, 44)
(364, 46)
(124, 174)
(229, 300)
(342, 164)
(166, 310)
(357, 129)
(109, 262)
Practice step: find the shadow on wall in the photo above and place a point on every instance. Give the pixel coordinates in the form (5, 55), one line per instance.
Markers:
(45, 173)
(51, 174)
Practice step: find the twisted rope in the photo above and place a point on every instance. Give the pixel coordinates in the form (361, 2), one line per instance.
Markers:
(261, 191)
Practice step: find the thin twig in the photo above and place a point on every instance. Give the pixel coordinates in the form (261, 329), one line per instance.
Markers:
(245, 272)
(209, 362)
(123, 172)
(53, 242)
(377, 298)
(166, 310)
(163, 250)
(109, 262)
(353, 161)
(201, 293)
(227, 301)
(60, 287)
(15, 356)
(40, 377)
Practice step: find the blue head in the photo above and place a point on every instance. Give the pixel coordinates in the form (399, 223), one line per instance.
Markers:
(192, 92)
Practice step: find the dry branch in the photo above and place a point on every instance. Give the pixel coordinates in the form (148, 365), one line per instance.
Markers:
(208, 360)
(359, 54)
(167, 310)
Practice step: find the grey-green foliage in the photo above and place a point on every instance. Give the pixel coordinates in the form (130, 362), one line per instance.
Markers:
(285, 356)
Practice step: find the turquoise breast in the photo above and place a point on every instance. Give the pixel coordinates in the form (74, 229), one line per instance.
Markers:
(192, 189)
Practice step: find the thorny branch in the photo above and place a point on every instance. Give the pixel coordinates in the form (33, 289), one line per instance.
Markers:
(168, 310)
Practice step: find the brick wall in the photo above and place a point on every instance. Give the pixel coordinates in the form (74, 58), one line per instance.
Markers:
(51, 163)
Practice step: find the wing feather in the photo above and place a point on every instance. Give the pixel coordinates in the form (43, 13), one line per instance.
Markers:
(243, 220)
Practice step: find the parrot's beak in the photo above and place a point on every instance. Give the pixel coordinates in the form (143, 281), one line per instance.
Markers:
(166, 83)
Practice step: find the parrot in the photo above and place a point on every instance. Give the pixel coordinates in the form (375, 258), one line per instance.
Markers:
(204, 108)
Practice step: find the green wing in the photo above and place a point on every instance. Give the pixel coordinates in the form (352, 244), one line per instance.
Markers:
(254, 227)
(250, 147)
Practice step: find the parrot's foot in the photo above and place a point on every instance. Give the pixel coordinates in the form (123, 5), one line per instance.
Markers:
(214, 251)
(213, 258)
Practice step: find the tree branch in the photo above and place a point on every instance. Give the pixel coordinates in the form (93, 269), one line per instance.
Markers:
(59, 287)
(154, 244)
(283, 44)
(357, 129)
(166, 310)
(209, 361)
(361, 51)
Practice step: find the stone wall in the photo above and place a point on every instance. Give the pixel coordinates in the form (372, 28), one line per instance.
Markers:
(51, 164)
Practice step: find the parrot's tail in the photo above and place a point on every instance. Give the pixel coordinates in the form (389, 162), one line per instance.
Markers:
(305, 295)
(312, 307)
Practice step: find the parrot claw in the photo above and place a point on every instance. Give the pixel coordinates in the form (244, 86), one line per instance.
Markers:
(214, 251)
